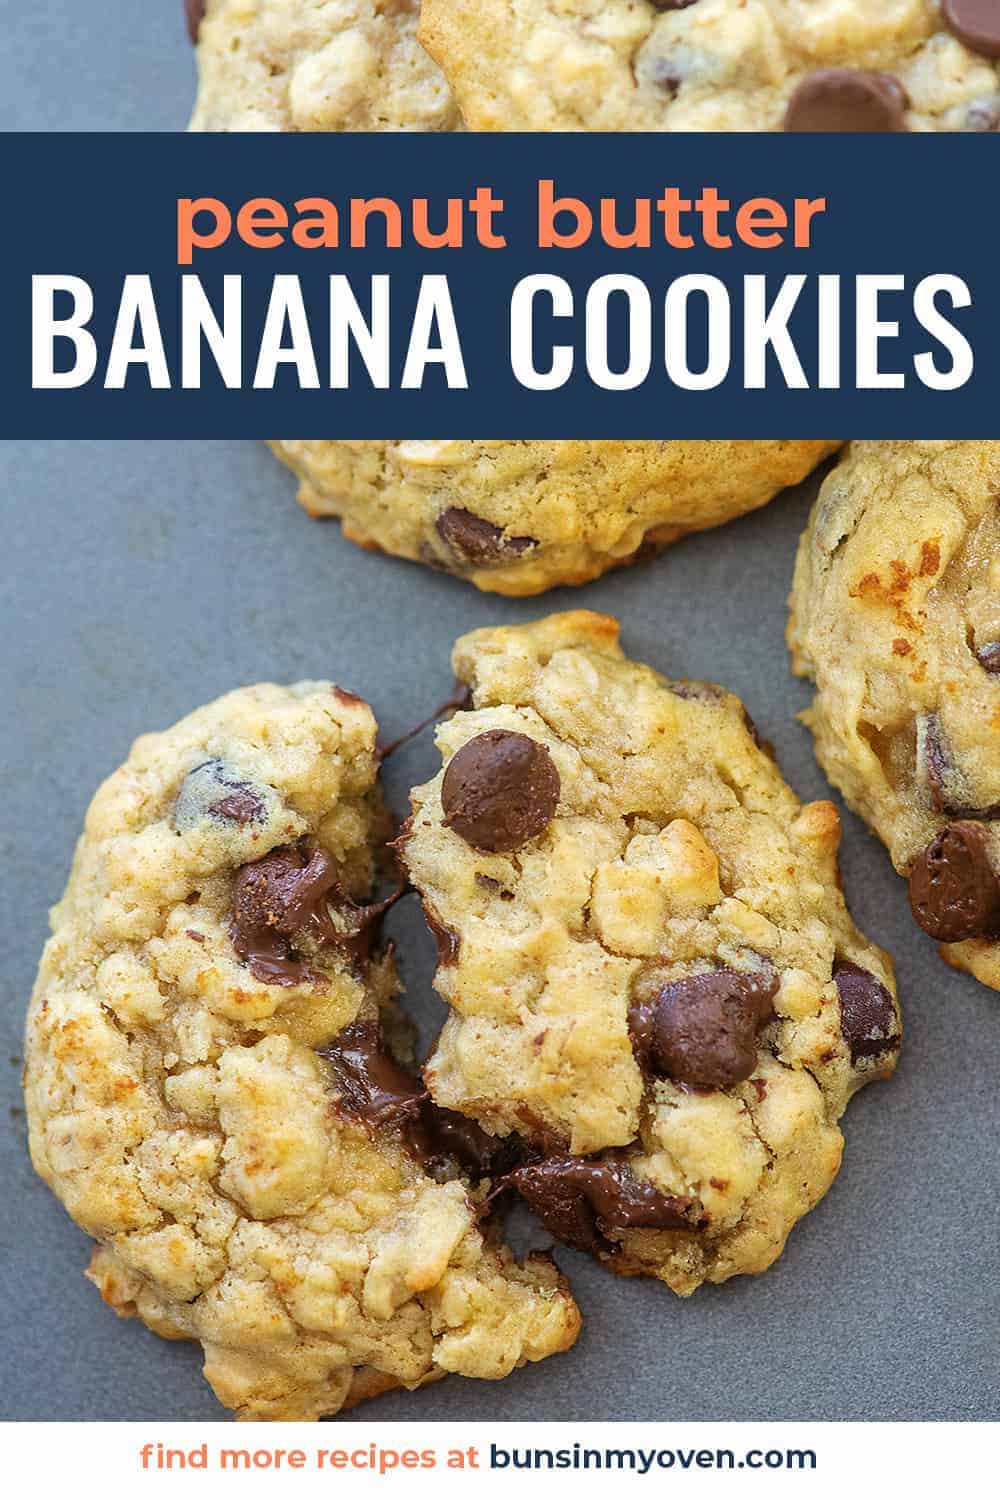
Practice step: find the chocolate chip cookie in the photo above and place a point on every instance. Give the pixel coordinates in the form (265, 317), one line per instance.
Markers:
(522, 517)
(216, 1085)
(896, 615)
(799, 65)
(314, 65)
(654, 983)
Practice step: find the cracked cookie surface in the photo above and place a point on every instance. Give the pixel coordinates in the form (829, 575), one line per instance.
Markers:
(741, 65)
(652, 976)
(522, 517)
(209, 1094)
(896, 616)
(315, 65)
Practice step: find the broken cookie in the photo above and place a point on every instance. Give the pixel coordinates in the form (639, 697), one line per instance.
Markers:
(216, 1081)
(655, 984)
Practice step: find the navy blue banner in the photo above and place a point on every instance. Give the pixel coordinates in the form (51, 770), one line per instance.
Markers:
(752, 286)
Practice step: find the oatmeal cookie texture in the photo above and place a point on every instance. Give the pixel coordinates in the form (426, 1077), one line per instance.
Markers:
(652, 976)
(741, 65)
(522, 517)
(315, 65)
(896, 615)
(209, 1093)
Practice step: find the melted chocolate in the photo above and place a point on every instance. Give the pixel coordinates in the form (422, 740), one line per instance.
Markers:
(381, 1094)
(579, 1200)
(943, 778)
(460, 700)
(447, 939)
(954, 889)
(292, 893)
(373, 1086)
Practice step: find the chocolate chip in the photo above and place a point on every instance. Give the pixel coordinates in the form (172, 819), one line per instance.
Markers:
(989, 658)
(867, 1014)
(934, 760)
(194, 11)
(672, 4)
(215, 790)
(373, 1086)
(702, 1030)
(376, 1090)
(580, 1200)
(294, 892)
(446, 937)
(847, 99)
(349, 699)
(976, 23)
(983, 115)
(450, 1136)
(477, 541)
(954, 889)
(500, 791)
(271, 959)
(284, 890)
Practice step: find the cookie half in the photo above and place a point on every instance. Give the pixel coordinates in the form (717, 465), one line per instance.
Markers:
(896, 616)
(522, 517)
(214, 1084)
(653, 980)
(315, 65)
(740, 65)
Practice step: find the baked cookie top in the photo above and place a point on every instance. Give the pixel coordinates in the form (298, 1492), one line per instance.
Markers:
(522, 517)
(315, 65)
(210, 1090)
(896, 615)
(649, 963)
(737, 65)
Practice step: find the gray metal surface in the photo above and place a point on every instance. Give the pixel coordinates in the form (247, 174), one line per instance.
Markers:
(143, 579)
(94, 65)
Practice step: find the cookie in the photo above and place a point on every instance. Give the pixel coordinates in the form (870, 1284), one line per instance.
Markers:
(314, 65)
(214, 1087)
(800, 65)
(896, 616)
(653, 980)
(522, 517)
